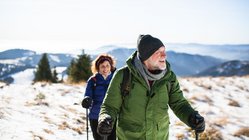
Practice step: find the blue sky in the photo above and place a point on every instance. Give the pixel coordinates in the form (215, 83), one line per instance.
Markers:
(71, 25)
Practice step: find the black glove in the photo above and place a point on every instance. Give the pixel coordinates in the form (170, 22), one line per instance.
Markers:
(197, 122)
(86, 102)
(105, 126)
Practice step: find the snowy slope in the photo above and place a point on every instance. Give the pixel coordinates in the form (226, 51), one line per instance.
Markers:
(24, 77)
(52, 111)
(223, 101)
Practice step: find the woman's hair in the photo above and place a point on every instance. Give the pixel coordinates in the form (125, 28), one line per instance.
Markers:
(100, 59)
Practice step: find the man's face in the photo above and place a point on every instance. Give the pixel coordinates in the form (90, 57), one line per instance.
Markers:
(157, 60)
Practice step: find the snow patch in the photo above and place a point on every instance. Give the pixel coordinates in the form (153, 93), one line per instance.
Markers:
(55, 58)
(24, 77)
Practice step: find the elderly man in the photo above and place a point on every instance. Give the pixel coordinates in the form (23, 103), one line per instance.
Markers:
(143, 113)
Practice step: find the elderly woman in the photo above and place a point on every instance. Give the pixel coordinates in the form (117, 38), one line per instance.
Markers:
(102, 68)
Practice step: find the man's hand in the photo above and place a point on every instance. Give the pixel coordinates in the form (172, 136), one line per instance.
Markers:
(86, 102)
(197, 122)
(105, 126)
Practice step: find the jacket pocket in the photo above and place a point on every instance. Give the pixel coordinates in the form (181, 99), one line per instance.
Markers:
(131, 129)
(163, 129)
(163, 99)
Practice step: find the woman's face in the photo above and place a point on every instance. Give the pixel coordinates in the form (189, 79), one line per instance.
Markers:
(105, 68)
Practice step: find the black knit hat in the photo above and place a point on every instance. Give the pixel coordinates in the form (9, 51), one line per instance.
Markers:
(147, 45)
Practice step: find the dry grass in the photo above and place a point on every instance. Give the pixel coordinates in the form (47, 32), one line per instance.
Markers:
(69, 82)
(40, 102)
(65, 92)
(65, 115)
(185, 90)
(241, 87)
(179, 123)
(208, 87)
(220, 122)
(71, 110)
(193, 98)
(207, 99)
(63, 126)
(42, 83)
(79, 130)
(242, 132)
(80, 121)
(48, 120)
(211, 134)
(36, 137)
(48, 131)
(203, 85)
(1, 115)
(202, 98)
(40, 96)
(180, 136)
(40, 99)
(233, 103)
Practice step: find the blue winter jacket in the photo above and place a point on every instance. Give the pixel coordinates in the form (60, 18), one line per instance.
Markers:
(98, 93)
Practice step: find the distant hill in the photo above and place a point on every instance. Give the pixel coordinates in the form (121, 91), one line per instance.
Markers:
(185, 64)
(16, 53)
(226, 51)
(230, 68)
(31, 58)
(16, 60)
(121, 55)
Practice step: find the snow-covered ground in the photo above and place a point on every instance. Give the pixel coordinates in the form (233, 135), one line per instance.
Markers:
(45, 111)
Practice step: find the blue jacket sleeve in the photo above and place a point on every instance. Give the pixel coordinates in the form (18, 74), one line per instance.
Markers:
(89, 88)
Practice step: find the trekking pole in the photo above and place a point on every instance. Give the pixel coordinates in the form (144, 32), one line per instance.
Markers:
(196, 135)
(87, 124)
(105, 137)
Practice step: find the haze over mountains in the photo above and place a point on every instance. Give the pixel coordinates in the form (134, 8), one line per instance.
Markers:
(227, 52)
(185, 59)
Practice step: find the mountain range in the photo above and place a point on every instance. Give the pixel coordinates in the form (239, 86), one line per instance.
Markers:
(183, 64)
(230, 68)
(16, 60)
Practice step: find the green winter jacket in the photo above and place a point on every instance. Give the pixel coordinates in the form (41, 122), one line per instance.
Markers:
(143, 114)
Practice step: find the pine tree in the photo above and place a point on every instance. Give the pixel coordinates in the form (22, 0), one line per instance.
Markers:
(71, 69)
(80, 69)
(54, 76)
(43, 71)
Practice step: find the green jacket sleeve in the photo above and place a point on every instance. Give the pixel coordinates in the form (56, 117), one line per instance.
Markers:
(178, 102)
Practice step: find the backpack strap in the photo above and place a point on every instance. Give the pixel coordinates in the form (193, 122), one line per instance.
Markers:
(125, 85)
(94, 82)
(169, 86)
